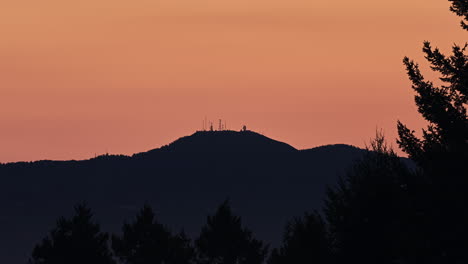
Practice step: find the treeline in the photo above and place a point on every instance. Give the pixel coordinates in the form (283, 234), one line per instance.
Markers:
(79, 239)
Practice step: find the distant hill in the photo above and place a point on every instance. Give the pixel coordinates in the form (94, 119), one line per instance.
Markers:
(267, 181)
(226, 141)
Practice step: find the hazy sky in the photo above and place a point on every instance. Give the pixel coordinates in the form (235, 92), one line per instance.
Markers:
(95, 76)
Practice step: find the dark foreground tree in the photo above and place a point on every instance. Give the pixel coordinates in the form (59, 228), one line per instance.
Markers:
(223, 240)
(368, 210)
(460, 7)
(305, 241)
(145, 241)
(74, 241)
(442, 152)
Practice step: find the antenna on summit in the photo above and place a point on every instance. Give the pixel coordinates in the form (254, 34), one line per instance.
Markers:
(204, 124)
(208, 125)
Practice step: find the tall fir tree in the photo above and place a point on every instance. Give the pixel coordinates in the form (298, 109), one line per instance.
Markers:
(146, 241)
(223, 240)
(74, 241)
(442, 152)
(368, 210)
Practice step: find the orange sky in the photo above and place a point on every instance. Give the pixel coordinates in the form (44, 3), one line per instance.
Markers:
(90, 76)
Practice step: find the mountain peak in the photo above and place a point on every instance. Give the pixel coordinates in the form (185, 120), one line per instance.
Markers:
(224, 141)
(227, 141)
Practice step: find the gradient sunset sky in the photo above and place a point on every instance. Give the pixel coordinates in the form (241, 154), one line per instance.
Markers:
(79, 78)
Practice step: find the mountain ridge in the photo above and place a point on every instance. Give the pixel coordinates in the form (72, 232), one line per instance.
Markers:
(167, 147)
(268, 181)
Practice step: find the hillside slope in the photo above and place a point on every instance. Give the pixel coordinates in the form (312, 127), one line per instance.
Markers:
(267, 181)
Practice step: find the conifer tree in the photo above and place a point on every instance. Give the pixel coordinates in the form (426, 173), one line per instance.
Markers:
(223, 240)
(368, 211)
(147, 241)
(443, 148)
(460, 7)
(305, 241)
(442, 152)
(74, 241)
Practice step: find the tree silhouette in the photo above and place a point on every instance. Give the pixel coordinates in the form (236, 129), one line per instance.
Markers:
(368, 210)
(76, 240)
(442, 152)
(460, 7)
(305, 241)
(147, 241)
(223, 240)
(444, 107)
(445, 139)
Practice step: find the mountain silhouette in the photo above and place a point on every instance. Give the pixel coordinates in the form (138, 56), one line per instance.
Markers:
(267, 181)
(227, 141)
